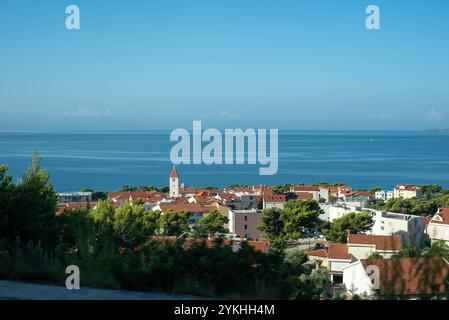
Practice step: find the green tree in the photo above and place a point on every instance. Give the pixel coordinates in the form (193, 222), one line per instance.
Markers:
(409, 251)
(300, 215)
(311, 287)
(212, 224)
(281, 189)
(272, 226)
(375, 255)
(413, 206)
(6, 194)
(32, 214)
(174, 223)
(438, 249)
(96, 195)
(103, 215)
(278, 226)
(351, 222)
(373, 190)
(133, 224)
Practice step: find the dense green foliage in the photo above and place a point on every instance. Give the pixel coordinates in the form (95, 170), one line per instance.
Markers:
(290, 223)
(109, 245)
(351, 222)
(211, 224)
(434, 197)
(27, 208)
(438, 249)
(96, 195)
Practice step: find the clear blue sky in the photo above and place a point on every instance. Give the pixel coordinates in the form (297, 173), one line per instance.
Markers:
(231, 63)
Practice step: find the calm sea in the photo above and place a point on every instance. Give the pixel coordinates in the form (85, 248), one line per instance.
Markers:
(108, 160)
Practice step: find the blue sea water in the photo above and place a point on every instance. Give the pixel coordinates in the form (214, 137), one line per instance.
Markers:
(108, 160)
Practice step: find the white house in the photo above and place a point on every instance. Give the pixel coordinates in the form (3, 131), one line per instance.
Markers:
(407, 191)
(438, 227)
(361, 246)
(334, 258)
(384, 195)
(410, 227)
(338, 210)
(317, 192)
(74, 197)
(358, 198)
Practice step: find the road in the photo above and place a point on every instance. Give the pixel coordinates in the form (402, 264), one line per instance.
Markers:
(11, 290)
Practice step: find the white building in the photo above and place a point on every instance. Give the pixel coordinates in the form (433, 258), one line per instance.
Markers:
(356, 279)
(317, 192)
(74, 197)
(407, 191)
(174, 183)
(384, 195)
(438, 228)
(334, 258)
(245, 223)
(361, 246)
(411, 228)
(332, 212)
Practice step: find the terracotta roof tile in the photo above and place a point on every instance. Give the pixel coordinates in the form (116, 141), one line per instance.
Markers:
(442, 217)
(174, 173)
(305, 188)
(188, 207)
(334, 251)
(411, 276)
(275, 198)
(391, 243)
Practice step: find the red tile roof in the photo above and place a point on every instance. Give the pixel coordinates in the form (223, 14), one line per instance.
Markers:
(188, 190)
(334, 251)
(135, 195)
(390, 243)
(305, 188)
(71, 206)
(279, 198)
(174, 173)
(361, 193)
(338, 251)
(322, 253)
(303, 196)
(411, 276)
(407, 187)
(188, 207)
(442, 217)
(426, 220)
(260, 246)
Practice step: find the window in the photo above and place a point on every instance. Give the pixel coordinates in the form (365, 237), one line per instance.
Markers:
(246, 218)
(246, 227)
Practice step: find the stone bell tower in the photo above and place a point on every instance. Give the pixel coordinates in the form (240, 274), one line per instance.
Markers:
(174, 183)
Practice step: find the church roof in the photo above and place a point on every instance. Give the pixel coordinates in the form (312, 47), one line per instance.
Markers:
(174, 173)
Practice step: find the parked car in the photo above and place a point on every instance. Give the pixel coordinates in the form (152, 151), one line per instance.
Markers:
(319, 246)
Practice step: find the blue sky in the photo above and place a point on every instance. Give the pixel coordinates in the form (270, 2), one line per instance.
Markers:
(230, 63)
